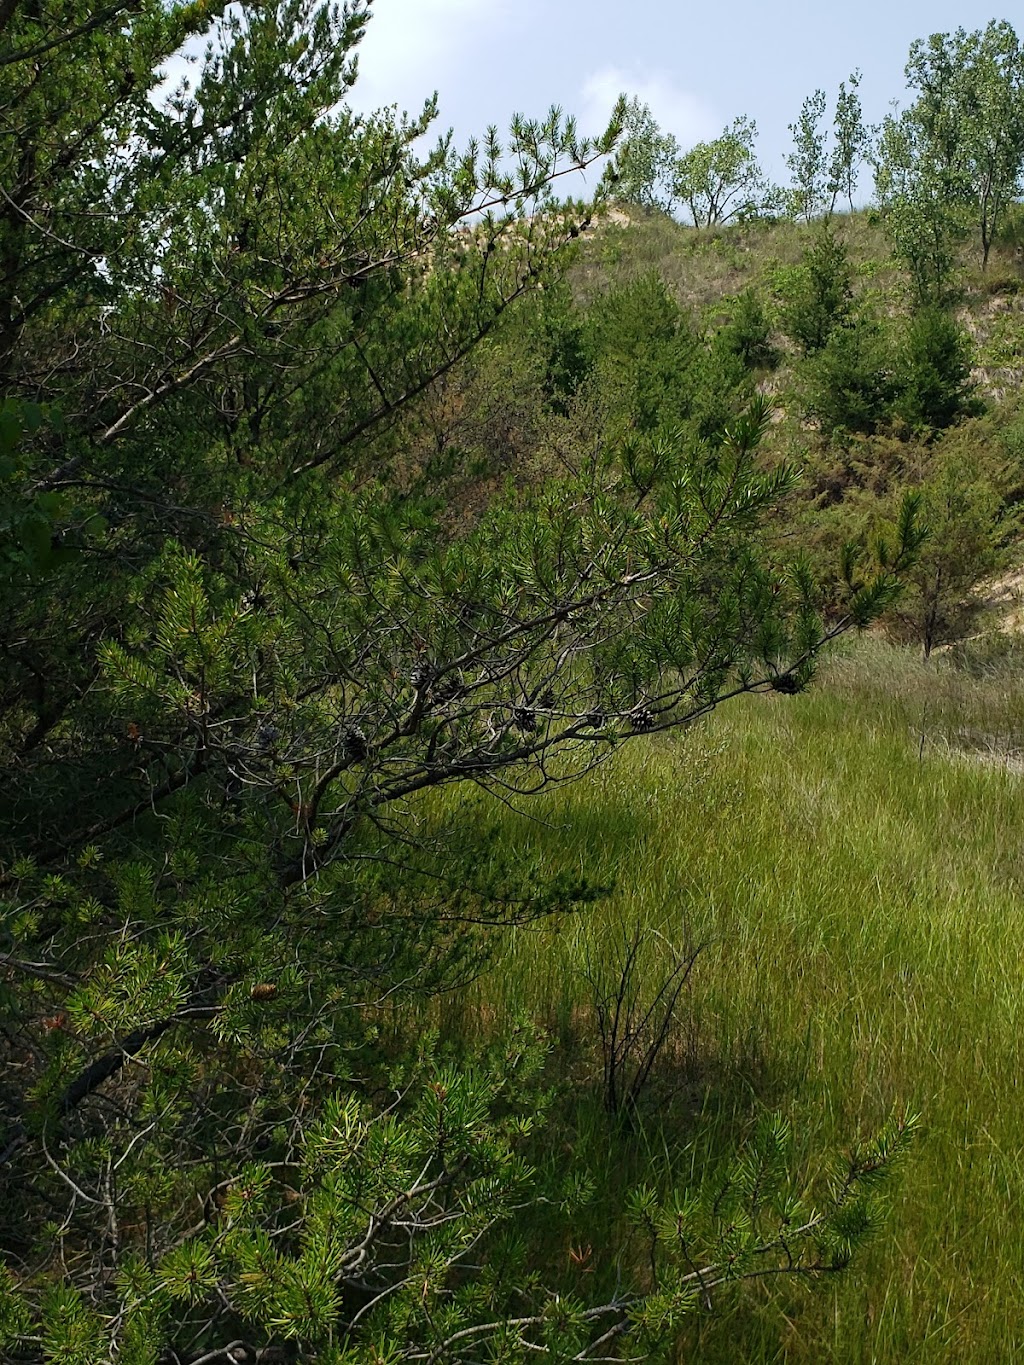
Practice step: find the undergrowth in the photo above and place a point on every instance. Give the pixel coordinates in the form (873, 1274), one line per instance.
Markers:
(851, 860)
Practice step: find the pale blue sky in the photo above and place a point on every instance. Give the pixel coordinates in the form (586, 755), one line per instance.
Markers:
(698, 65)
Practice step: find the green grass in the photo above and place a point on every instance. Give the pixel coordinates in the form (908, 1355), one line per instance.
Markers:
(701, 267)
(854, 859)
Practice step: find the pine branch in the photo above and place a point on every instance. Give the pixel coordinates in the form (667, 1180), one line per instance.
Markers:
(94, 22)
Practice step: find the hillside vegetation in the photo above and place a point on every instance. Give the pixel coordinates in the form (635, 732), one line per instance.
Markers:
(690, 325)
(509, 713)
(845, 862)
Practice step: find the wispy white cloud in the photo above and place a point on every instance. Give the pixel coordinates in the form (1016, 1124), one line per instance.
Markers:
(412, 47)
(678, 111)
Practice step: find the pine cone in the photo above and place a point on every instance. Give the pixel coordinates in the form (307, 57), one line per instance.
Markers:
(421, 674)
(449, 690)
(787, 684)
(594, 720)
(641, 719)
(354, 744)
(267, 736)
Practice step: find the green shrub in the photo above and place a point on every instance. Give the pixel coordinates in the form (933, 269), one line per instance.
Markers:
(559, 333)
(968, 534)
(718, 385)
(655, 371)
(747, 334)
(850, 383)
(641, 349)
(934, 371)
(820, 297)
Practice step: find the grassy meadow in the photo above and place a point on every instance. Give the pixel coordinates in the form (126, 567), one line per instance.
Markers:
(852, 861)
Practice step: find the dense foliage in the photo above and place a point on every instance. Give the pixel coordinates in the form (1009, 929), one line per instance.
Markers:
(335, 475)
(955, 157)
(251, 619)
(899, 348)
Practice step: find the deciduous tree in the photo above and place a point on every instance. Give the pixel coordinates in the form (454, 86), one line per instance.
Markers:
(852, 142)
(720, 181)
(962, 140)
(642, 170)
(820, 174)
(968, 530)
(922, 212)
(808, 161)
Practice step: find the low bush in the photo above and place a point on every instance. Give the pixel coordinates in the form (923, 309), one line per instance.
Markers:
(819, 296)
(934, 371)
(850, 384)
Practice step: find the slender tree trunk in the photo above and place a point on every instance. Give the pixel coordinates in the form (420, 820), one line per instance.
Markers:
(931, 619)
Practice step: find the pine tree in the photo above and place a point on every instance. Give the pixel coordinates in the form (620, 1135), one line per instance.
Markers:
(239, 641)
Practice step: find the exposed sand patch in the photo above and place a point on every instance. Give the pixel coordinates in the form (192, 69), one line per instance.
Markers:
(1004, 597)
